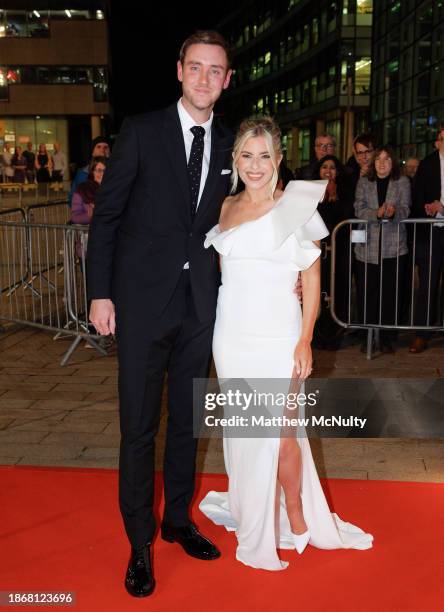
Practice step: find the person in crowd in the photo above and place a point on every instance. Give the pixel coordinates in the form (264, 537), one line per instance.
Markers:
(382, 194)
(360, 162)
(82, 209)
(336, 206)
(29, 155)
(100, 148)
(410, 167)
(84, 197)
(324, 144)
(59, 164)
(428, 202)
(43, 165)
(18, 163)
(8, 170)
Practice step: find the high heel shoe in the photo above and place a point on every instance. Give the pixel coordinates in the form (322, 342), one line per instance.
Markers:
(301, 540)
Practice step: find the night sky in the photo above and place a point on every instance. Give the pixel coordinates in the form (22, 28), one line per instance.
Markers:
(145, 45)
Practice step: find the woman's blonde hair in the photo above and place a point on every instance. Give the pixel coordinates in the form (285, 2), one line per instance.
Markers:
(251, 128)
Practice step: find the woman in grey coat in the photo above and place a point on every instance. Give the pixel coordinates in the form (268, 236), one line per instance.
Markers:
(385, 196)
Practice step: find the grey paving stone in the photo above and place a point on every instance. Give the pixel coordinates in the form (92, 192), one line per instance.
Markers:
(33, 394)
(82, 439)
(49, 451)
(15, 403)
(107, 463)
(61, 426)
(345, 473)
(15, 436)
(100, 452)
(5, 422)
(405, 475)
(112, 428)
(9, 460)
(30, 414)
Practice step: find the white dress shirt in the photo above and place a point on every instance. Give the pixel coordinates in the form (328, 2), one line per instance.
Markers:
(187, 122)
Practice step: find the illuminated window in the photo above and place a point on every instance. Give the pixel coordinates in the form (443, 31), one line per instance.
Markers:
(363, 75)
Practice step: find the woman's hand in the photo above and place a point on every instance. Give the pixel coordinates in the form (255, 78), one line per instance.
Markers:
(90, 210)
(303, 360)
(390, 210)
(387, 210)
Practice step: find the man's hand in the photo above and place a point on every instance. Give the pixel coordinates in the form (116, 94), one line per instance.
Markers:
(103, 316)
(433, 208)
(298, 288)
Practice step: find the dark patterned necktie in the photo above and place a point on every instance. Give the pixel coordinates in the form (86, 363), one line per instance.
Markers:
(195, 165)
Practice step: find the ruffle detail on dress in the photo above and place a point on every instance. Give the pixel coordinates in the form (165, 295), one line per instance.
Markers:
(221, 241)
(295, 213)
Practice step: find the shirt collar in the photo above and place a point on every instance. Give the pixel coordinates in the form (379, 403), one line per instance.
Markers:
(188, 122)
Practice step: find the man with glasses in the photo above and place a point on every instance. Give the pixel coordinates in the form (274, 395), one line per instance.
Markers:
(359, 163)
(325, 144)
(428, 201)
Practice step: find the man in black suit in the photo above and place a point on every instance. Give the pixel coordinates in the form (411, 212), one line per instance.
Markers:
(428, 201)
(152, 281)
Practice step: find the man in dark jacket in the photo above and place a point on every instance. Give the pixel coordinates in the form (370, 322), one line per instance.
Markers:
(151, 279)
(428, 201)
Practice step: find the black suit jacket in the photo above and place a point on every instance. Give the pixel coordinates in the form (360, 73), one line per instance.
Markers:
(142, 232)
(426, 189)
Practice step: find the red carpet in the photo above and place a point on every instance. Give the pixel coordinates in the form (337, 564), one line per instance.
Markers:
(61, 530)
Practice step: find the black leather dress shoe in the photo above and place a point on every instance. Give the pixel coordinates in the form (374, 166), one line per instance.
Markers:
(193, 542)
(139, 580)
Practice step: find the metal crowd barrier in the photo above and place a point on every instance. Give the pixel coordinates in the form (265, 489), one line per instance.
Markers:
(405, 311)
(19, 194)
(43, 280)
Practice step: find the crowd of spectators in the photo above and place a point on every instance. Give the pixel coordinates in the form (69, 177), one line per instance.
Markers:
(379, 269)
(33, 166)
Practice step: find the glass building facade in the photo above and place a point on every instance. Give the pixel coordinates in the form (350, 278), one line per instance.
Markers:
(306, 63)
(53, 74)
(407, 90)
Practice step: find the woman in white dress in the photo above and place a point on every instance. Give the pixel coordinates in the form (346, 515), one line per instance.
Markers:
(265, 238)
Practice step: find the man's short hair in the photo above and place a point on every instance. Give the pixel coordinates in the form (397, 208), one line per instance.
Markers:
(440, 129)
(367, 140)
(205, 37)
(325, 135)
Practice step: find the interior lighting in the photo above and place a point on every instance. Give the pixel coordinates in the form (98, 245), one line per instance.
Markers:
(68, 13)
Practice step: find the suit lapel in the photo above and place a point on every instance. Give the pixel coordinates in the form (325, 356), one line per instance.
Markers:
(174, 144)
(219, 146)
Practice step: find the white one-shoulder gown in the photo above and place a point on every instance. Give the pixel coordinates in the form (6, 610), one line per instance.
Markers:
(258, 324)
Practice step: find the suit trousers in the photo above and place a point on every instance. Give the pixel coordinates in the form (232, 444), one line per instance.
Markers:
(430, 266)
(179, 344)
